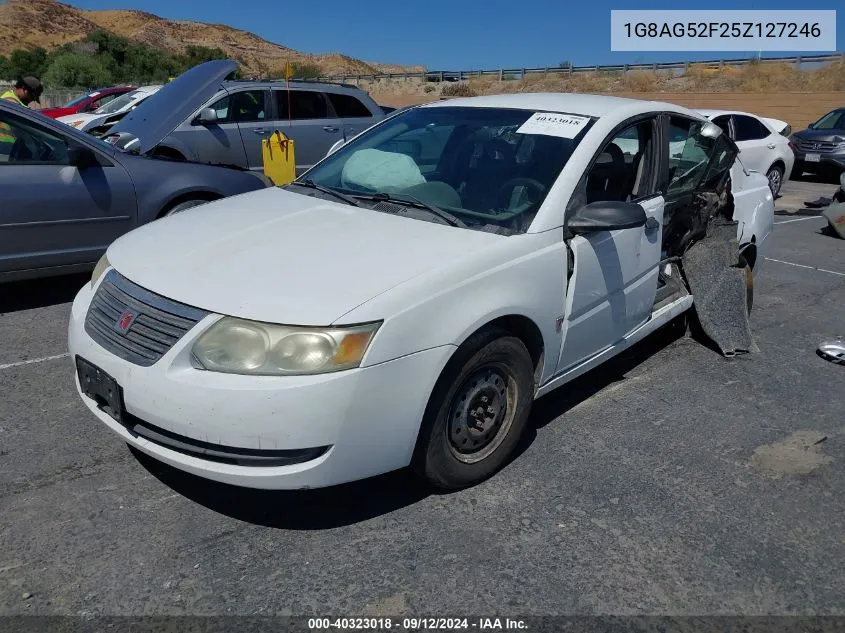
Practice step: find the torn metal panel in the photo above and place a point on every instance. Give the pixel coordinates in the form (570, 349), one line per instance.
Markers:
(718, 282)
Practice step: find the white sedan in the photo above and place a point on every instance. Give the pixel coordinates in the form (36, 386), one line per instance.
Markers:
(406, 300)
(762, 142)
(102, 119)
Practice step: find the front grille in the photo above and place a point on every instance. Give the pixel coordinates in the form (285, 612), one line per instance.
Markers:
(156, 323)
(816, 146)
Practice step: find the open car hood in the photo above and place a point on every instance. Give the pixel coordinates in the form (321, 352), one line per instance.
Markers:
(158, 115)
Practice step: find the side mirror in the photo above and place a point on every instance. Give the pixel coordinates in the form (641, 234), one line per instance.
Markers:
(80, 157)
(711, 130)
(338, 144)
(607, 216)
(207, 116)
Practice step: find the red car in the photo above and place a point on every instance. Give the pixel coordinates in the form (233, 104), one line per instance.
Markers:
(88, 102)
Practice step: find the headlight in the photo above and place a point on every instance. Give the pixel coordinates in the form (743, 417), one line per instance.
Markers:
(99, 269)
(237, 346)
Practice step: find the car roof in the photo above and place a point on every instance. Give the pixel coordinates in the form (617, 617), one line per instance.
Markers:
(584, 104)
(710, 113)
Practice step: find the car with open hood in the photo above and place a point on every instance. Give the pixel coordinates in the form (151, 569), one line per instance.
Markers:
(200, 116)
(820, 149)
(105, 117)
(66, 195)
(407, 299)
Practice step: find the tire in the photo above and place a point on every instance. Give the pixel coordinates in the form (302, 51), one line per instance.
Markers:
(749, 287)
(461, 444)
(775, 176)
(182, 206)
(797, 170)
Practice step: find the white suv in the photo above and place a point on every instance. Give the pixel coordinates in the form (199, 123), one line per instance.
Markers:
(761, 145)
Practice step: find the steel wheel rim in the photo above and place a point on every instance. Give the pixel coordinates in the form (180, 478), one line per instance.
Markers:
(481, 413)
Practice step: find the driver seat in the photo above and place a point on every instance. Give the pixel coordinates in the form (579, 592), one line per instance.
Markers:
(608, 178)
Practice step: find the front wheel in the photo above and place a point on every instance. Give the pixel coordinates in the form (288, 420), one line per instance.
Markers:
(477, 412)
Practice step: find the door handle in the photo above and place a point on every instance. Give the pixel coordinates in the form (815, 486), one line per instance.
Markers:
(331, 128)
(651, 225)
(259, 130)
(771, 145)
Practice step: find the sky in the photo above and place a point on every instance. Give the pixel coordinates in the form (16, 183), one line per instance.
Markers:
(449, 34)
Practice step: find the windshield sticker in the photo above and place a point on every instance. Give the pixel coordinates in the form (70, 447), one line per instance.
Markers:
(552, 124)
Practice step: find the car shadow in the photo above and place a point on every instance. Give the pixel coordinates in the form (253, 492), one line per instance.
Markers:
(40, 293)
(318, 509)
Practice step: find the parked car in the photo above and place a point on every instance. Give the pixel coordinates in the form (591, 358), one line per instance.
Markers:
(87, 102)
(406, 300)
(820, 149)
(762, 147)
(200, 117)
(66, 195)
(104, 118)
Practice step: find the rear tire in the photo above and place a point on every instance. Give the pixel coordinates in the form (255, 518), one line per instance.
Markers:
(775, 176)
(749, 287)
(477, 412)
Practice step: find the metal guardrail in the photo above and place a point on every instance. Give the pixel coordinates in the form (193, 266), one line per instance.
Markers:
(506, 74)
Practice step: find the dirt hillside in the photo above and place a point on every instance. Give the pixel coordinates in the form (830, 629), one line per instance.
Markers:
(49, 24)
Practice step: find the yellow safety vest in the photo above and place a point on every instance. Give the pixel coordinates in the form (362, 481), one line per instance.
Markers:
(5, 131)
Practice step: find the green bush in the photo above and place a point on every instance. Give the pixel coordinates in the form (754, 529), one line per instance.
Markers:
(109, 58)
(28, 62)
(6, 72)
(74, 70)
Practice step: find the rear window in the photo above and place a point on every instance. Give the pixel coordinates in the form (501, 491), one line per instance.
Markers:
(304, 104)
(747, 128)
(348, 107)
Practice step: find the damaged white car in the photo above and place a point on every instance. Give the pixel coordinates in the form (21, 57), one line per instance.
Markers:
(408, 298)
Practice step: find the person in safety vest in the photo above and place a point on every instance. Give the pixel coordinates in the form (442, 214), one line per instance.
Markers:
(26, 90)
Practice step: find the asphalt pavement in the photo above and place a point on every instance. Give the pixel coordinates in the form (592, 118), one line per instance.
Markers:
(670, 481)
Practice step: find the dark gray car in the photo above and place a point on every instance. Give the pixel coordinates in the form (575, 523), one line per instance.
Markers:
(820, 148)
(201, 117)
(65, 195)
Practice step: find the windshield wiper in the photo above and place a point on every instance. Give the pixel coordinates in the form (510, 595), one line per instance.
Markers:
(416, 202)
(310, 184)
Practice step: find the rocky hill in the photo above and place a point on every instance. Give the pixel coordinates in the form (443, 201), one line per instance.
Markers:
(50, 24)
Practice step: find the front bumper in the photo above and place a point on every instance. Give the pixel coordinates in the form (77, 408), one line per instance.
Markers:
(365, 421)
(827, 162)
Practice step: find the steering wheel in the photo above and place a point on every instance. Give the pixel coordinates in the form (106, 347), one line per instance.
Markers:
(532, 185)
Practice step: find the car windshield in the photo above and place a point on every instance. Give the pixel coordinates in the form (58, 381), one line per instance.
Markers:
(489, 168)
(76, 101)
(121, 102)
(829, 121)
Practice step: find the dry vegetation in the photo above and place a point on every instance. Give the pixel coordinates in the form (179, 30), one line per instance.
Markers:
(764, 77)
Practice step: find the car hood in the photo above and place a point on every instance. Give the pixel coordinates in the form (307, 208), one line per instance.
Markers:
(282, 257)
(83, 118)
(158, 115)
(837, 136)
